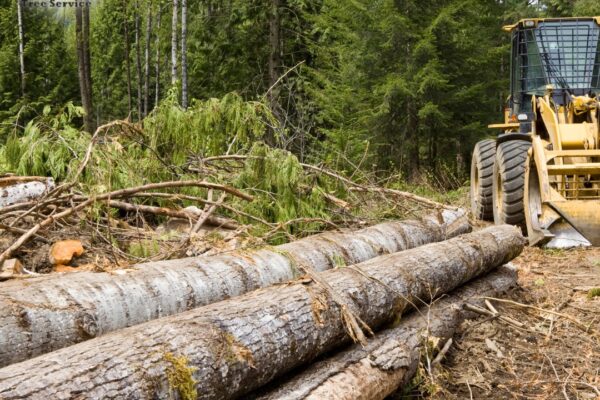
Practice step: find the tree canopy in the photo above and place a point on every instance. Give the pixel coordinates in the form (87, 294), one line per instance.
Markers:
(395, 86)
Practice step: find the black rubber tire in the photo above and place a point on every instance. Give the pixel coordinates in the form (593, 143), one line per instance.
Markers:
(509, 183)
(482, 171)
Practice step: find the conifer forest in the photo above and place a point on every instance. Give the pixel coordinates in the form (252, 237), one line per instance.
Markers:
(299, 199)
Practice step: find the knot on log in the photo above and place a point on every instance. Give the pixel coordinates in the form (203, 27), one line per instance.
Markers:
(88, 325)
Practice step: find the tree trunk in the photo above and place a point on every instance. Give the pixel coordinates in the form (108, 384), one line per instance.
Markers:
(82, 44)
(47, 313)
(21, 46)
(390, 359)
(138, 62)
(127, 58)
(87, 62)
(157, 62)
(147, 61)
(274, 64)
(184, 87)
(174, 42)
(232, 347)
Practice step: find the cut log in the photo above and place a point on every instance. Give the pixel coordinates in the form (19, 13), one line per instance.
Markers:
(389, 360)
(227, 349)
(29, 188)
(44, 314)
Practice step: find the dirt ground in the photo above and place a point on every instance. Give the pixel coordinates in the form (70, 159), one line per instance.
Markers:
(551, 356)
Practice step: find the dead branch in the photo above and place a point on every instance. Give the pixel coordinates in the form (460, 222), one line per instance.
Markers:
(169, 212)
(117, 193)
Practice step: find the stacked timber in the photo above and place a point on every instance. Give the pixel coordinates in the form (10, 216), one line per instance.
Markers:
(391, 358)
(43, 314)
(228, 349)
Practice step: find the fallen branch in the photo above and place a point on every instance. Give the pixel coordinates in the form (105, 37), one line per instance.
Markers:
(169, 212)
(351, 184)
(405, 195)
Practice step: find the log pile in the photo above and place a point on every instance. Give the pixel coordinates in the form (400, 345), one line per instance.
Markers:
(390, 359)
(46, 313)
(228, 349)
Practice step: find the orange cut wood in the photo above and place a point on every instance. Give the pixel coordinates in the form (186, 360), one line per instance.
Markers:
(62, 252)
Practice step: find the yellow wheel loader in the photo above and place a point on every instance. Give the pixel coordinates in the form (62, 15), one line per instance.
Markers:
(542, 172)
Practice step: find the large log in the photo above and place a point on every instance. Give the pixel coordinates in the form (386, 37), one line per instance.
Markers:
(389, 360)
(227, 349)
(44, 314)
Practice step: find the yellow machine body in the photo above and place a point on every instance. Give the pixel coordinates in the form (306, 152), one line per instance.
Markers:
(562, 181)
(554, 105)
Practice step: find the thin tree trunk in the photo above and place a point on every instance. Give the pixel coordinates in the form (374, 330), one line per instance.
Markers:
(184, 82)
(235, 346)
(21, 46)
(174, 42)
(127, 58)
(274, 64)
(82, 44)
(157, 62)
(138, 61)
(87, 63)
(61, 312)
(147, 61)
(391, 358)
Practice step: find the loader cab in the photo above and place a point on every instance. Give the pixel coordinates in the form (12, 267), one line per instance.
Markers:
(561, 54)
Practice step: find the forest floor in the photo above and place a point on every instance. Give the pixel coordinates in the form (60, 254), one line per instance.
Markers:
(551, 356)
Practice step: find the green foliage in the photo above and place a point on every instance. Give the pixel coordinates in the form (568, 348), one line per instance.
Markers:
(594, 292)
(207, 127)
(284, 191)
(49, 145)
(50, 68)
(144, 248)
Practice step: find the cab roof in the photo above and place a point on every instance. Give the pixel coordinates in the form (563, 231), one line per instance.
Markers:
(535, 21)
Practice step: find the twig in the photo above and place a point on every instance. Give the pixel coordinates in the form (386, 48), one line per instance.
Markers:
(483, 311)
(581, 325)
(283, 76)
(202, 219)
(470, 391)
(406, 195)
(22, 231)
(442, 353)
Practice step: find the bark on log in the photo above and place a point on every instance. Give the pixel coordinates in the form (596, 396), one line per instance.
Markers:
(47, 313)
(240, 344)
(389, 360)
(22, 192)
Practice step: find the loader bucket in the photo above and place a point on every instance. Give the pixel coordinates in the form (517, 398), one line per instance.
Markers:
(558, 223)
(583, 216)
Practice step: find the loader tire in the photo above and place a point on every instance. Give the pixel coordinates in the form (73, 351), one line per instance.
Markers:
(482, 171)
(509, 183)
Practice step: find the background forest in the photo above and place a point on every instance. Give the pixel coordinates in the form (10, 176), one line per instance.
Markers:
(386, 86)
